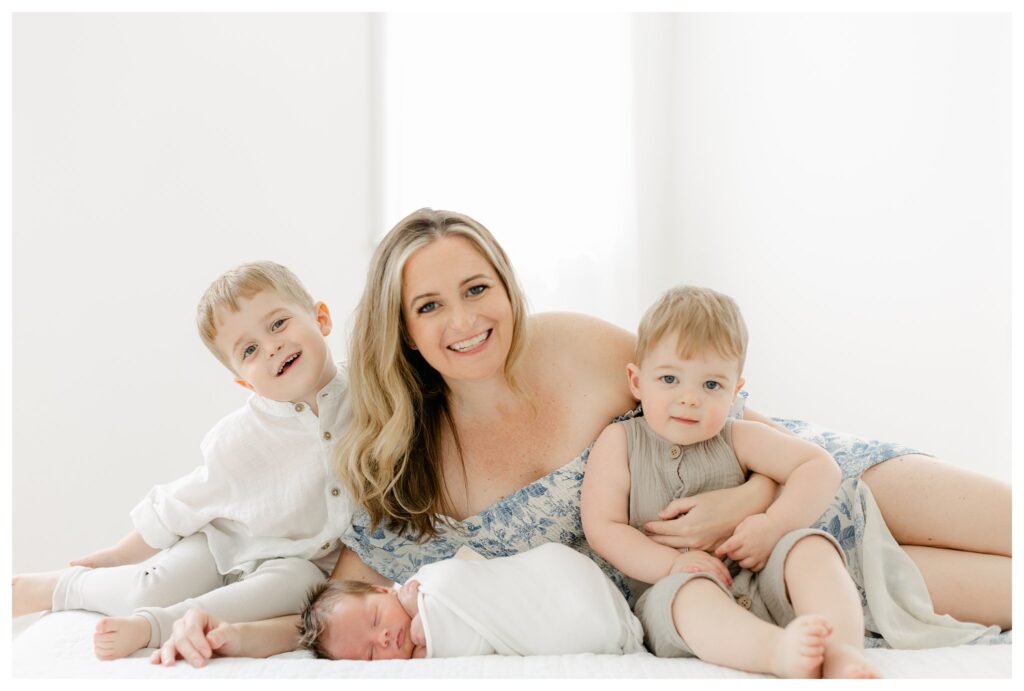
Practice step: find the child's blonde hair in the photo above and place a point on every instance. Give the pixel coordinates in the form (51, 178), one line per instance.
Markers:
(320, 601)
(699, 318)
(243, 282)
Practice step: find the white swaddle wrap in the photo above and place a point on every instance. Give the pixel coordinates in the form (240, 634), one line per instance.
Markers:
(550, 600)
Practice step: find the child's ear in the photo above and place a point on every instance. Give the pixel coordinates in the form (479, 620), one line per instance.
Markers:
(381, 588)
(633, 376)
(323, 317)
(244, 384)
(739, 385)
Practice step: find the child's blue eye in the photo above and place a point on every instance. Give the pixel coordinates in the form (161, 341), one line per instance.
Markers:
(249, 350)
(278, 324)
(476, 290)
(668, 378)
(427, 307)
(712, 385)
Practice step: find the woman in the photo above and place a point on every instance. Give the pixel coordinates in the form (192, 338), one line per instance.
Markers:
(464, 413)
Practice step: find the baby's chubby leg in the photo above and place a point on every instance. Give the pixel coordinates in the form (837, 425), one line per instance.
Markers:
(819, 584)
(721, 632)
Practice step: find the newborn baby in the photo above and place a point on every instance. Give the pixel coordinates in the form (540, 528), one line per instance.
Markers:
(550, 600)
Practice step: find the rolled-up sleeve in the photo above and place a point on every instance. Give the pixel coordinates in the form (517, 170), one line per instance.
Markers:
(180, 508)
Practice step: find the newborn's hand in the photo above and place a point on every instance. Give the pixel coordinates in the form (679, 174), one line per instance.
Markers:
(419, 636)
(408, 596)
(753, 542)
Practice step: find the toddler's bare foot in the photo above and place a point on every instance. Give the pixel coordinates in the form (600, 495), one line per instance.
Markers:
(120, 636)
(844, 661)
(801, 649)
(32, 592)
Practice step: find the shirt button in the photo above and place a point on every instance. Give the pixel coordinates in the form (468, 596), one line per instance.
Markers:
(326, 546)
(323, 395)
(299, 407)
(675, 451)
(744, 601)
(327, 435)
(335, 492)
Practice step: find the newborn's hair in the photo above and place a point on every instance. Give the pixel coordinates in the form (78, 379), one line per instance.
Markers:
(320, 601)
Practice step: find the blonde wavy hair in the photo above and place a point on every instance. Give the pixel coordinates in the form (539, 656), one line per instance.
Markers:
(390, 457)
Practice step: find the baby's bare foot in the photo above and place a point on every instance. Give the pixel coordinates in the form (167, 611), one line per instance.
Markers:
(844, 661)
(801, 649)
(120, 636)
(32, 592)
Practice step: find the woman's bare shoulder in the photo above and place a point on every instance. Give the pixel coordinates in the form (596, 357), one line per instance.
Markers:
(584, 352)
(582, 334)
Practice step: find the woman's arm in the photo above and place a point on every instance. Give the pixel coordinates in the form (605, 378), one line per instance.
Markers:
(198, 635)
(350, 567)
(704, 521)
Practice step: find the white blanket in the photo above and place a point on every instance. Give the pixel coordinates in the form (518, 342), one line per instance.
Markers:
(59, 646)
(550, 600)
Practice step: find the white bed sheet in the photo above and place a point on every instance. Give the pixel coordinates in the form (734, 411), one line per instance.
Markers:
(59, 645)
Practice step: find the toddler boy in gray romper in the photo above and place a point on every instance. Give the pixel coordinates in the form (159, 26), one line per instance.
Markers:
(691, 347)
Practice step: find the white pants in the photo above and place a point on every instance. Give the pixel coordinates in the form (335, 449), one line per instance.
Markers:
(164, 587)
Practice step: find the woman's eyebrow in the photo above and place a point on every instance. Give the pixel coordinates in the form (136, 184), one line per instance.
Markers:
(420, 297)
(472, 278)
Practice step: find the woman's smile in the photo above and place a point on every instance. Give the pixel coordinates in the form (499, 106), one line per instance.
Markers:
(472, 345)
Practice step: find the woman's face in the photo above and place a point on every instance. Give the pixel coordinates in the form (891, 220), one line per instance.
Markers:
(456, 310)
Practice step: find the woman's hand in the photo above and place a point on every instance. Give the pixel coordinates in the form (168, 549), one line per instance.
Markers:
(196, 637)
(705, 521)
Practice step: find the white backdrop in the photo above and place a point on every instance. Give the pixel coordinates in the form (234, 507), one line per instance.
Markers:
(846, 178)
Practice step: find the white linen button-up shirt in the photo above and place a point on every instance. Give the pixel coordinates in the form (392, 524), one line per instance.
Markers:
(267, 488)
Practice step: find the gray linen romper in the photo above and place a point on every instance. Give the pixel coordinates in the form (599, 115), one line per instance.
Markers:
(661, 471)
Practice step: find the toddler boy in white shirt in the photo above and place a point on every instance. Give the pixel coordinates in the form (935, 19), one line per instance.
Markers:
(248, 533)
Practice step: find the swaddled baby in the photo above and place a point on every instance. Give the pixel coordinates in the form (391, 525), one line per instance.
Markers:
(550, 600)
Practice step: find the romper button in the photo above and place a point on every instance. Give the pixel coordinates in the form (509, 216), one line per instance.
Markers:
(327, 546)
(299, 407)
(327, 435)
(335, 492)
(675, 451)
(744, 601)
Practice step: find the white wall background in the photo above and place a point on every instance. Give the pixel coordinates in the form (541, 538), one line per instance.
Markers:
(846, 178)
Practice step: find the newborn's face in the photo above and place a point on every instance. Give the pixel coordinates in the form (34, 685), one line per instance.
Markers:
(370, 627)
